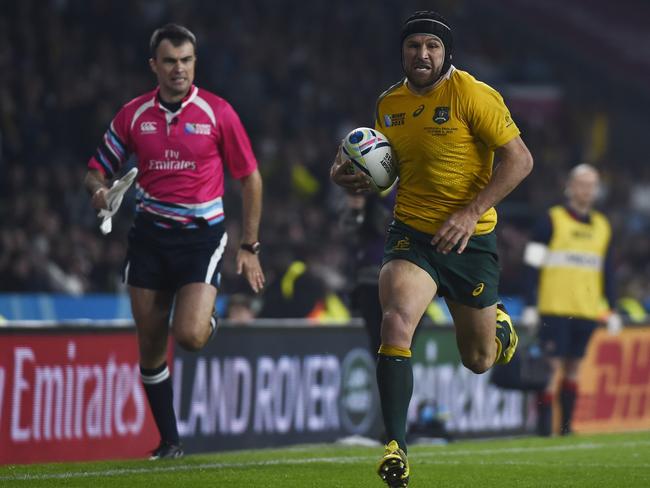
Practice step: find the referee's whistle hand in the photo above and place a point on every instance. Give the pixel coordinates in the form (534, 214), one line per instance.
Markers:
(98, 199)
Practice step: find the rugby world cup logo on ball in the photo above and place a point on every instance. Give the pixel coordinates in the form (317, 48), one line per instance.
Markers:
(371, 153)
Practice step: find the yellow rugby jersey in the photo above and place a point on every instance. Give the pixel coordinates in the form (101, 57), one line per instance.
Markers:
(444, 142)
(571, 281)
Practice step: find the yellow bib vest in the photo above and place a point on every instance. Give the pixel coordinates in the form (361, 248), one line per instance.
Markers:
(571, 278)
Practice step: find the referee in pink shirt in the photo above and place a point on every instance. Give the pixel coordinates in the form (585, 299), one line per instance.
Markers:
(182, 137)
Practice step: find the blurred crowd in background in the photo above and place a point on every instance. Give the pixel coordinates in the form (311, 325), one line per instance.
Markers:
(301, 75)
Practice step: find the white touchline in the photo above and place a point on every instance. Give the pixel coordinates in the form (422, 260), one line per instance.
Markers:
(422, 457)
(184, 467)
(506, 450)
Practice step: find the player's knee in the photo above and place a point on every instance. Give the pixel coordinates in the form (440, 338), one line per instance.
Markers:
(477, 361)
(192, 340)
(191, 343)
(393, 319)
(395, 329)
(151, 345)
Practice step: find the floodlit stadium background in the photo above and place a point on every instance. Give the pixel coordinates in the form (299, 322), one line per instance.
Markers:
(576, 76)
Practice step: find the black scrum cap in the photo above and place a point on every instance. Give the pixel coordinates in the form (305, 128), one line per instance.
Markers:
(429, 22)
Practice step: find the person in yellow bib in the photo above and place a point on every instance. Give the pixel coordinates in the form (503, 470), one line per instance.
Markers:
(571, 289)
(445, 128)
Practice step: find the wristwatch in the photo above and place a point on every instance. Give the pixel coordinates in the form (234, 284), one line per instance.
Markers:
(253, 248)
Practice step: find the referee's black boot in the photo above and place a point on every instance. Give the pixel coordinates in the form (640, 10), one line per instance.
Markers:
(214, 325)
(166, 450)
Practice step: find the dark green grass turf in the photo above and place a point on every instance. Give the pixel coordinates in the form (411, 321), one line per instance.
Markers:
(618, 460)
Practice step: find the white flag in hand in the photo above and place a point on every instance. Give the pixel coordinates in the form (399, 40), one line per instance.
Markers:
(114, 198)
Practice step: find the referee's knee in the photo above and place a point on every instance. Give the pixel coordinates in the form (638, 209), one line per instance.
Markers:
(192, 340)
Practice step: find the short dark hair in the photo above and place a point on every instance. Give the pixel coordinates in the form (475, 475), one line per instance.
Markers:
(177, 34)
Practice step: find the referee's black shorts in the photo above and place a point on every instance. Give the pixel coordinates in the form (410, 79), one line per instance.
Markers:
(160, 258)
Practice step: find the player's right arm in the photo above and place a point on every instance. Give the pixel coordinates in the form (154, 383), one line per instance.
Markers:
(534, 258)
(95, 183)
(342, 171)
(343, 174)
(112, 152)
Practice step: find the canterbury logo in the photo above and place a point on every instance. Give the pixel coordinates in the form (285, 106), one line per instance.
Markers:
(478, 290)
(402, 245)
(148, 127)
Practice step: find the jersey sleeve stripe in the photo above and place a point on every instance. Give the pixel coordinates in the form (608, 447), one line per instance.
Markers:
(112, 159)
(115, 144)
(111, 148)
(104, 163)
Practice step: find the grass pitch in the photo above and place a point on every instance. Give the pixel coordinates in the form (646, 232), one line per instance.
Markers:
(581, 461)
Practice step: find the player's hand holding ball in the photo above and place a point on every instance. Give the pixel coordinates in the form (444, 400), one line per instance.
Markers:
(364, 162)
(343, 174)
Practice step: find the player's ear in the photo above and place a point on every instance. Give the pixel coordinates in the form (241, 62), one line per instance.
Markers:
(152, 65)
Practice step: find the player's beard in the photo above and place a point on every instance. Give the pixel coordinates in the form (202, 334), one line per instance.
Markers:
(420, 82)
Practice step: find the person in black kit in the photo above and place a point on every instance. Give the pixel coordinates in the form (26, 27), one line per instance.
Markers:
(368, 216)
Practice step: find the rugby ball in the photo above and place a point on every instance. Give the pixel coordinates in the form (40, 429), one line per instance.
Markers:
(372, 154)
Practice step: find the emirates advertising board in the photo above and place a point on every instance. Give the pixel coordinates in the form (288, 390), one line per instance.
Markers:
(76, 394)
(72, 396)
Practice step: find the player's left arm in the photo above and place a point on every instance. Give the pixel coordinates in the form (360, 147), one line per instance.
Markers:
(613, 320)
(608, 278)
(238, 156)
(247, 262)
(515, 163)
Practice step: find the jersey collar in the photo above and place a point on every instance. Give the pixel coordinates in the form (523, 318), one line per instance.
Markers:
(584, 218)
(191, 95)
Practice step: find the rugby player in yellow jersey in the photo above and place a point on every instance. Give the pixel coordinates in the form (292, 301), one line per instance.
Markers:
(445, 128)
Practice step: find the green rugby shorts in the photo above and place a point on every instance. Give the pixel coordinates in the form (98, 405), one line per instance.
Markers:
(470, 278)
